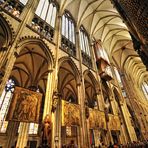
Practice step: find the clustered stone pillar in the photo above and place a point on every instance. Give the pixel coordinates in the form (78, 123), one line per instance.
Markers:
(57, 115)
(48, 96)
(23, 135)
(83, 128)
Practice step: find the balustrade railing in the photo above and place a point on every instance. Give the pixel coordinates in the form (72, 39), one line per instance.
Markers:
(68, 46)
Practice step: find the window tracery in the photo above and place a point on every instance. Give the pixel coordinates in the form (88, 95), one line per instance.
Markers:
(45, 18)
(84, 45)
(68, 34)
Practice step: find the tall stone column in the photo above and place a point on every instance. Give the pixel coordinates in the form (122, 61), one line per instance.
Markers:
(112, 100)
(132, 97)
(130, 132)
(48, 95)
(23, 135)
(83, 125)
(81, 97)
(58, 124)
(57, 116)
(11, 131)
(127, 121)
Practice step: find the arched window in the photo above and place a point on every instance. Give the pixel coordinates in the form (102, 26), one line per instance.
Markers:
(68, 27)
(44, 19)
(84, 41)
(5, 100)
(68, 34)
(85, 47)
(47, 10)
(33, 128)
(144, 87)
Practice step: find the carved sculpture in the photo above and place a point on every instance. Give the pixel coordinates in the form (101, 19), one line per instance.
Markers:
(55, 99)
(46, 132)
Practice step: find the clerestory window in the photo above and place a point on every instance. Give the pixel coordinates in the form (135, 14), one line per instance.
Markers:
(45, 18)
(68, 30)
(68, 34)
(47, 11)
(85, 47)
(84, 42)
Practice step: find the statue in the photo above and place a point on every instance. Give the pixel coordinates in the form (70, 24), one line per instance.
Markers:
(55, 98)
(46, 132)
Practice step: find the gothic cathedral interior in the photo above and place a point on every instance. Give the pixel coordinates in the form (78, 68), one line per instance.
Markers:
(73, 73)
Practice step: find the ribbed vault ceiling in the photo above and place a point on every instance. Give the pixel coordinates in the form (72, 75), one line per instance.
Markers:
(102, 21)
(31, 67)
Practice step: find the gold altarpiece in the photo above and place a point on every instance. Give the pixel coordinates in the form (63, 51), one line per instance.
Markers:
(25, 106)
(70, 114)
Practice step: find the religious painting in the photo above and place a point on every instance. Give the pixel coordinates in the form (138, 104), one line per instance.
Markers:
(97, 119)
(25, 106)
(70, 114)
(114, 122)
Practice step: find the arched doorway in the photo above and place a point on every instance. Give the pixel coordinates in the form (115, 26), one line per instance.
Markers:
(67, 86)
(30, 71)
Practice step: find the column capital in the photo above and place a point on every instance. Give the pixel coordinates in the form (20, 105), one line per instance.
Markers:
(50, 70)
(77, 32)
(79, 83)
(60, 16)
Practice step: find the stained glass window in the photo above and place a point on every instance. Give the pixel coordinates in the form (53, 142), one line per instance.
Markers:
(68, 131)
(47, 11)
(5, 100)
(33, 128)
(68, 29)
(84, 42)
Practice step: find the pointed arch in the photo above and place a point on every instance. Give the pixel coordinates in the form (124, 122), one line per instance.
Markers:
(92, 77)
(6, 32)
(34, 40)
(91, 89)
(73, 66)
